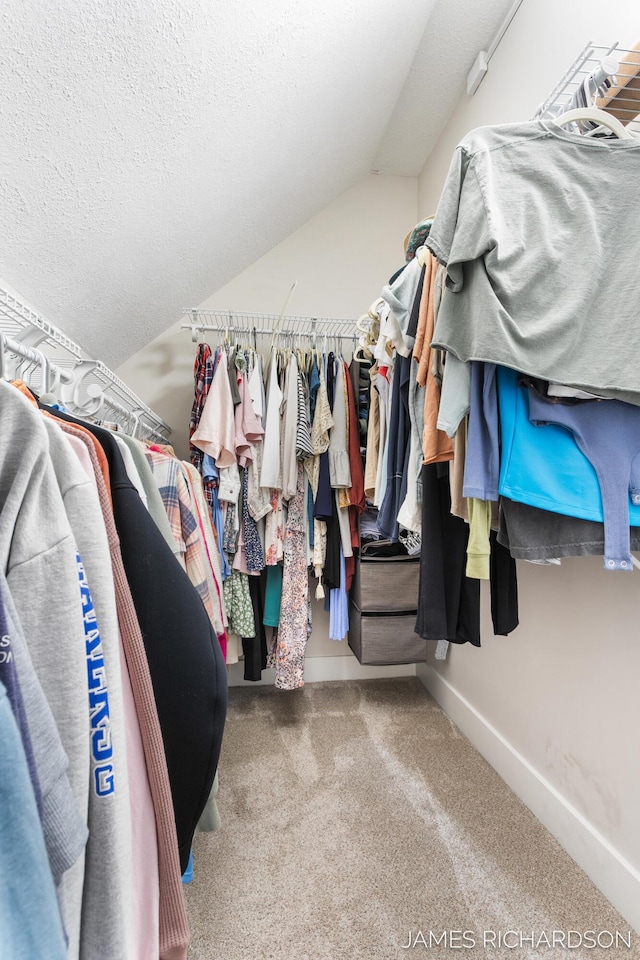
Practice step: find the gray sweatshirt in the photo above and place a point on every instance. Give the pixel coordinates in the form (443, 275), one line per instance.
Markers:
(400, 296)
(65, 830)
(38, 556)
(106, 920)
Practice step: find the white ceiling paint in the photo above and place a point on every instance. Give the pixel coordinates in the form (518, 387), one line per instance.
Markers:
(152, 149)
(456, 32)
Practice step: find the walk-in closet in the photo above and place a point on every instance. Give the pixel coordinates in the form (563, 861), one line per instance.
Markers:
(319, 480)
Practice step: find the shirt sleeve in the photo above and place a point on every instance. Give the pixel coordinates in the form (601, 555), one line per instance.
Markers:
(482, 462)
(461, 230)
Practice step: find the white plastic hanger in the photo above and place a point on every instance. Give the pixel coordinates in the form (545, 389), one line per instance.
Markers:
(3, 359)
(593, 114)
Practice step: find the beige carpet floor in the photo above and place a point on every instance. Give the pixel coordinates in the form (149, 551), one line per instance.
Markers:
(358, 820)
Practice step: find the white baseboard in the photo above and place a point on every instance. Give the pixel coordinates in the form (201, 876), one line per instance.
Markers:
(618, 880)
(317, 669)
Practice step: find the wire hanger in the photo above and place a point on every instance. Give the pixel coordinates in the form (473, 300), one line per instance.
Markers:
(24, 365)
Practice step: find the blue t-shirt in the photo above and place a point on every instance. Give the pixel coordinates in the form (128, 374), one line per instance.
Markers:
(543, 466)
(29, 914)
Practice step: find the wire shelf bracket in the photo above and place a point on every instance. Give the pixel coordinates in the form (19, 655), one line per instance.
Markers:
(607, 77)
(34, 349)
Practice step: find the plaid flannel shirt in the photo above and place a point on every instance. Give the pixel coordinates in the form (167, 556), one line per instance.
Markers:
(203, 370)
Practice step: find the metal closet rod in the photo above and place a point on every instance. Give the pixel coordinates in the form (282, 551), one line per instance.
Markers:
(275, 333)
(253, 323)
(50, 372)
(133, 420)
(27, 334)
(52, 375)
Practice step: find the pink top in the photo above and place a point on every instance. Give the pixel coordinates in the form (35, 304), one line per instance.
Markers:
(248, 428)
(215, 433)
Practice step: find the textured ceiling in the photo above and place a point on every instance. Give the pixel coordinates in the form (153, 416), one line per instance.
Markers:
(456, 32)
(152, 149)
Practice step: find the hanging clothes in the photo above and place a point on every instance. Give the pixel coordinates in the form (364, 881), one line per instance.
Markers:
(171, 933)
(29, 913)
(108, 853)
(184, 525)
(271, 476)
(64, 830)
(108, 820)
(339, 469)
(203, 369)
(255, 648)
(215, 433)
(37, 548)
(153, 500)
(304, 445)
(192, 768)
(338, 606)
(289, 414)
(253, 500)
(398, 448)
(449, 601)
(203, 375)
(212, 553)
(494, 309)
(294, 610)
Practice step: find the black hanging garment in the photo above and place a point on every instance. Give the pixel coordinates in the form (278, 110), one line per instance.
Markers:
(448, 600)
(504, 588)
(399, 450)
(255, 648)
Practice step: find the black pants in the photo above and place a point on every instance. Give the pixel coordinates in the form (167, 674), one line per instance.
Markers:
(448, 600)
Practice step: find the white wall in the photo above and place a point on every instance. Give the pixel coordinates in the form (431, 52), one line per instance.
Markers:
(539, 47)
(555, 706)
(340, 258)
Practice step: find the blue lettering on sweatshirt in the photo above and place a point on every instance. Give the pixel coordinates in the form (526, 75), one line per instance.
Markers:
(99, 718)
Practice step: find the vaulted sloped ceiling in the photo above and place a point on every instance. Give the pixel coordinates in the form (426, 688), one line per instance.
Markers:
(152, 149)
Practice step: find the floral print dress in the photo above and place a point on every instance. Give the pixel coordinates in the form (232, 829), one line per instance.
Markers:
(291, 641)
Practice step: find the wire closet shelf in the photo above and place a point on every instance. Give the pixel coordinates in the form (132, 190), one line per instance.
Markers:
(601, 75)
(36, 351)
(287, 330)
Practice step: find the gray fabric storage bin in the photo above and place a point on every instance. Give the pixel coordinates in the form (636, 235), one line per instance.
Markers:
(386, 585)
(383, 639)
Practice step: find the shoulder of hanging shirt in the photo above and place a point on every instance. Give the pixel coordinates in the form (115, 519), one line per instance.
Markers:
(25, 391)
(164, 448)
(500, 136)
